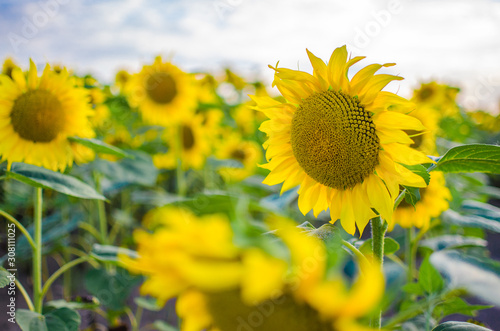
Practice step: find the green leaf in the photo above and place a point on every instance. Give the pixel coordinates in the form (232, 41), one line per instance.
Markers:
(470, 158)
(147, 303)
(77, 303)
(4, 277)
(412, 195)
(41, 177)
(482, 209)
(163, 326)
(109, 253)
(479, 276)
(452, 241)
(111, 287)
(420, 170)
(390, 246)
(470, 221)
(30, 321)
(140, 170)
(457, 306)
(413, 288)
(459, 326)
(429, 278)
(99, 146)
(62, 317)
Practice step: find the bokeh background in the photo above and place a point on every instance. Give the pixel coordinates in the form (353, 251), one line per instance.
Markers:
(451, 41)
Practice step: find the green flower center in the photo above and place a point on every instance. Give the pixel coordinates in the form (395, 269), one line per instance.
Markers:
(187, 137)
(334, 139)
(161, 87)
(283, 313)
(38, 116)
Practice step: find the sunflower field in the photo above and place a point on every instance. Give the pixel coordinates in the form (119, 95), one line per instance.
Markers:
(179, 200)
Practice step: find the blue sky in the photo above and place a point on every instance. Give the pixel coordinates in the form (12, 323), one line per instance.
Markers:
(454, 41)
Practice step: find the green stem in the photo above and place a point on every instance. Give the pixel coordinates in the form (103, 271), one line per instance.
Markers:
(379, 227)
(355, 251)
(138, 317)
(179, 172)
(37, 251)
(409, 256)
(20, 227)
(59, 272)
(101, 209)
(25, 295)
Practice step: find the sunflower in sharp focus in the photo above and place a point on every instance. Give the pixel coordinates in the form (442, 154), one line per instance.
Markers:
(220, 286)
(248, 153)
(341, 140)
(163, 93)
(187, 142)
(433, 201)
(38, 114)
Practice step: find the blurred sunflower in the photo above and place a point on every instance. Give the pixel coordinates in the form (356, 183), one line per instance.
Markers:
(433, 201)
(248, 153)
(8, 66)
(207, 86)
(187, 142)
(163, 93)
(122, 77)
(340, 140)
(425, 141)
(38, 114)
(220, 286)
(441, 97)
(246, 118)
(101, 111)
(486, 121)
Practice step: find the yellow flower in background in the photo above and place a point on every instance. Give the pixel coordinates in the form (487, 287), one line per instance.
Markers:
(163, 93)
(441, 97)
(82, 154)
(486, 121)
(38, 114)
(433, 201)
(101, 111)
(235, 80)
(248, 153)
(122, 78)
(220, 286)
(8, 66)
(425, 141)
(187, 142)
(247, 118)
(341, 140)
(207, 85)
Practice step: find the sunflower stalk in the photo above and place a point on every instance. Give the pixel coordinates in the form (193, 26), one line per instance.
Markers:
(379, 227)
(179, 172)
(37, 251)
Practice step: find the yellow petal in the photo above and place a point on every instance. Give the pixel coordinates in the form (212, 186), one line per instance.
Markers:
(394, 120)
(406, 155)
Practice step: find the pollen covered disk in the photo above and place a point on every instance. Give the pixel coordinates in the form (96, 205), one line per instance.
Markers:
(334, 140)
(37, 115)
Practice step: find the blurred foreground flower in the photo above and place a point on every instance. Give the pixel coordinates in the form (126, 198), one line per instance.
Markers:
(38, 114)
(341, 140)
(221, 286)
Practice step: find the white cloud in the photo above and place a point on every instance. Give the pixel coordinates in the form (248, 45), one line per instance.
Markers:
(450, 40)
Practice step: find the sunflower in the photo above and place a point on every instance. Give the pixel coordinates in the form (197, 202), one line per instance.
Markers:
(425, 141)
(8, 66)
(433, 201)
(441, 97)
(341, 140)
(220, 286)
(248, 153)
(122, 78)
(187, 142)
(163, 93)
(38, 114)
